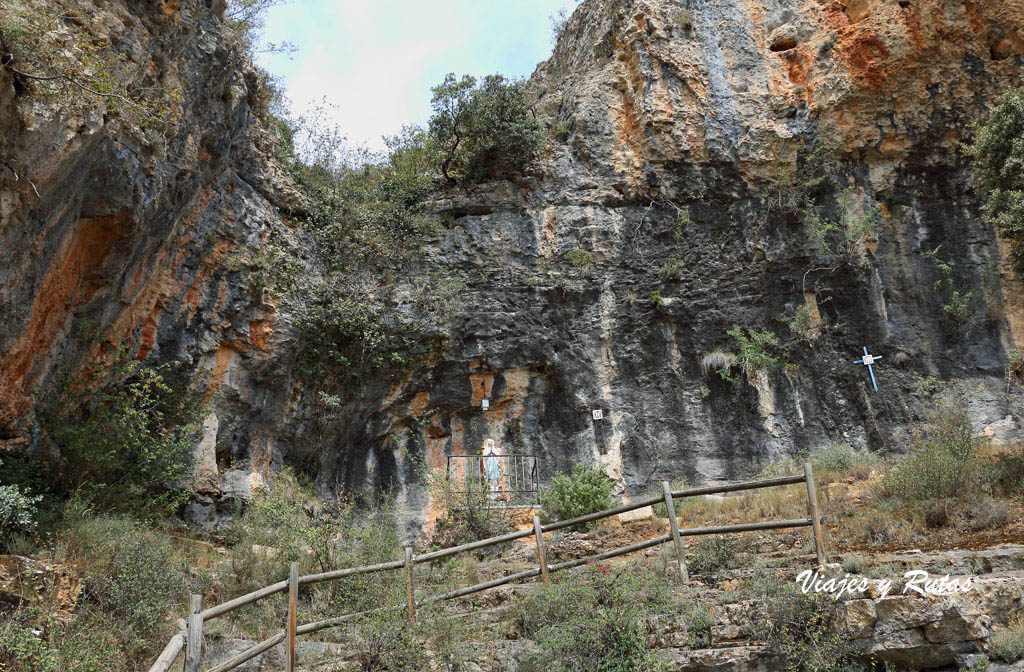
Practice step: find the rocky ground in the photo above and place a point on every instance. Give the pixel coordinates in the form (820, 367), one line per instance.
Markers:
(907, 630)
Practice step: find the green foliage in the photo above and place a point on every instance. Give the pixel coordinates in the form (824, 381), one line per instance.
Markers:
(285, 523)
(656, 301)
(585, 490)
(245, 18)
(1008, 645)
(275, 267)
(581, 260)
(755, 350)
(124, 433)
(998, 156)
(800, 191)
(800, 322)
(362, 209)
(801, 628)
(561, 131)
(944, 459)
(138, 580)
(344, 337)
(596, 622)
(713, 554)
(834, 460)
(482, 130)
(855, 227)
(674, 269)
(958, 305)
(17, 514)
(389, 645)
(23, 646)
(698, 624)
(793, 189)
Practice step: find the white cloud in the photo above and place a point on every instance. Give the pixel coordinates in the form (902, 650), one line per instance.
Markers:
(375, 62)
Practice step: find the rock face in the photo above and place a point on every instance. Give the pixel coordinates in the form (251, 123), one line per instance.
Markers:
(658, 218)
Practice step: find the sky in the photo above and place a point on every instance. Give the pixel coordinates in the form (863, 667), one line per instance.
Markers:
(374, 61)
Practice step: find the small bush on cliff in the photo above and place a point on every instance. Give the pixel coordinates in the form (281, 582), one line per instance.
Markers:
(482, 130)
(584, 490)
(998, 156)
(755, 350)
(957, 303)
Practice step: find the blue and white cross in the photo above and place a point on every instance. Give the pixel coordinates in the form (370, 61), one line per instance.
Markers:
(867, 360)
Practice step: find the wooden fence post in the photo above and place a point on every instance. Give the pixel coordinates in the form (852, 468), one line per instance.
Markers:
(293, 608)
(812, 505)
(674, 525)
(409, 565)
(194, 636)
(538, 532)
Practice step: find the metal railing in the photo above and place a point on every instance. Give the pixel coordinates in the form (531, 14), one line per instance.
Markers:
(191, 640)
(504, 481)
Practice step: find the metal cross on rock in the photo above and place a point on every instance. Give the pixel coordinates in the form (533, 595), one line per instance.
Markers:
(867, 360)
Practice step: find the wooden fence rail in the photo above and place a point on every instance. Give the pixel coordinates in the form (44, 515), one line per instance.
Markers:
(191, 641)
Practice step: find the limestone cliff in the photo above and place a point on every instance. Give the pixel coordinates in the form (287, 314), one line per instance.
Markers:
(658, 218)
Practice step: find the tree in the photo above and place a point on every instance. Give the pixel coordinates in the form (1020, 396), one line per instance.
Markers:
(482, 130)
(449, 125)
(998, 153)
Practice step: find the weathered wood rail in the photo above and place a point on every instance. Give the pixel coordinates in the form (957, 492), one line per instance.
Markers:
(191, 640)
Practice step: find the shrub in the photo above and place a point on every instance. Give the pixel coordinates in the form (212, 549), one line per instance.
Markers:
(71, 63)
(713, 554)
(1008, 645)
(284, 523)
(389, 645)
(23, 646)
(592, 622)
(944, 460)
(482, 130)
(839, 459)
(698, 625)
(17, 514)
(800, 628)
(584, 490)
(581, 260)
(137, 581)
(756, 350)
(673, 270)
(958, 306)
(853, 564)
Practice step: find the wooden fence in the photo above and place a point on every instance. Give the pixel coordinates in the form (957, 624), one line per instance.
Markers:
(192, 639)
